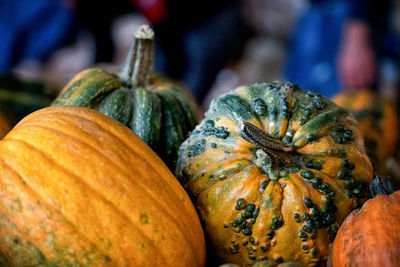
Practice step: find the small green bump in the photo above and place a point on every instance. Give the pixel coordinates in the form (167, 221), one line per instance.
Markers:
(278, 260)
(332, 230)
(256, 212)
(316, 182)
(307, 228)
(313, 235)
(247, 232)
(250, 207)
(308, 202)
(349, 183)
(253, 220)
(307, 175)
(226, 226)
(304, 247)
(244, 243)
(270, 234)
(213, 145)
(239, 221)
(276, 223)
(263, 247)
(296, 217)
(252, 257)
(314, 252)
(356, 191)
(262, 186)
(314, 165)
(306, 216)
(348, 164)
(244, 225)
(221, 133)
(251, 240)
(246, 215)
(240, 204)
(210, 123)
(260, 107)
(302, 234)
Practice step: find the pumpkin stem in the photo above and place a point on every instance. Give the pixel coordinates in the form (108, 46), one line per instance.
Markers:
(140, 60)
(381, 185)
(271, 145)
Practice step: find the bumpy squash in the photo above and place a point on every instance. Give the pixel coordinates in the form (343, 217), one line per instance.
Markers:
(370, 236)
(159, 111)
(78, 188)
(377, 121)
(274, 170)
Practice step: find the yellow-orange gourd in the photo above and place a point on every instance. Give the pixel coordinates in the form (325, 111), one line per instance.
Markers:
(80, 189)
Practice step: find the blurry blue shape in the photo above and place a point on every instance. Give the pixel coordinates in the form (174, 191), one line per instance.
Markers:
(32, 29)
(312, 53)
(313, 50)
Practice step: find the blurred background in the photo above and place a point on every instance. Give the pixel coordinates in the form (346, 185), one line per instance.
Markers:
(327, 46)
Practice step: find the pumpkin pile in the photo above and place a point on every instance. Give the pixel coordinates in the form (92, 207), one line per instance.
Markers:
(273, 171)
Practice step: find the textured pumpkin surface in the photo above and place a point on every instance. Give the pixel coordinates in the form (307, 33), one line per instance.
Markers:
(377, 121)
(283, 203)
(80, 189)
(370, 236)
(159, 111)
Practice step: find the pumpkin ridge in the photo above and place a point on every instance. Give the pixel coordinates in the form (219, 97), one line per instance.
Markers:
(89, 186)
(230, 174)
(150, 160)
(179, 226)
(109, 203)
(45, 203)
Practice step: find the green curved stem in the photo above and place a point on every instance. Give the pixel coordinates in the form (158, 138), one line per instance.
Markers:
(272, 146)
(140, 60)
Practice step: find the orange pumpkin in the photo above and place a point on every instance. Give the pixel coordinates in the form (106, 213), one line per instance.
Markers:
(80, 189)
(370, 236)
(377, 121)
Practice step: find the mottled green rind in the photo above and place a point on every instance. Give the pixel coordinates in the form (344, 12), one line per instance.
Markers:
(162, 115)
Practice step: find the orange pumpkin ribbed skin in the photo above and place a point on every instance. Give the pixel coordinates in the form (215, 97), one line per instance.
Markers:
(377, 121)
(370, 236)
(80, 189)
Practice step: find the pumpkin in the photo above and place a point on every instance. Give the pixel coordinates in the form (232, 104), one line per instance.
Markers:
(78, 188)
(377, 121)
(159, 111)
(370, 236)
(273, 171)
